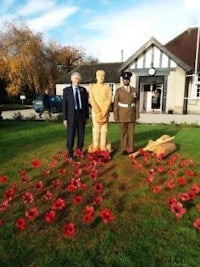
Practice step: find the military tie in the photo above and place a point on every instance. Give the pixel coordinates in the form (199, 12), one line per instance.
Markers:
(77, 99)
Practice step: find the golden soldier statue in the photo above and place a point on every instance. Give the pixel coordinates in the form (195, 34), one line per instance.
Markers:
(100, 97)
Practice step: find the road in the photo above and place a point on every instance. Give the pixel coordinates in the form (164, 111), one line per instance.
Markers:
(144, 117)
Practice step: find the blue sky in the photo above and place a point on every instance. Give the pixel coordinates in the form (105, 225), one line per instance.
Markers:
(104, 27)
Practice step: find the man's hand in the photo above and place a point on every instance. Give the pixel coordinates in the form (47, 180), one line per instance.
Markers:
(65, 123)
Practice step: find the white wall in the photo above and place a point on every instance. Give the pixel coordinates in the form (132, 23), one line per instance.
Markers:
(175, 90)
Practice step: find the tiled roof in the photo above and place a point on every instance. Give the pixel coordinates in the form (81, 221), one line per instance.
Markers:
(88, 73)
(184, 47)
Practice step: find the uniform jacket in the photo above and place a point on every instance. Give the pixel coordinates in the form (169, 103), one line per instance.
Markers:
(69, 104)
(126, 114)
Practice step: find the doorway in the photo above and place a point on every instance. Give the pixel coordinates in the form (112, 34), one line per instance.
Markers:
(151, 97)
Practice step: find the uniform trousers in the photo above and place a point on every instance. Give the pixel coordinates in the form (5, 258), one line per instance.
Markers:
(127, 130)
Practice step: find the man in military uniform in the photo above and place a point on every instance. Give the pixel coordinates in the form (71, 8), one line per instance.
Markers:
(126, 111)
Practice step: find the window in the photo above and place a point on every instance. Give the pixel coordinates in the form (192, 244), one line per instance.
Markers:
(198, 90)
(195, 93)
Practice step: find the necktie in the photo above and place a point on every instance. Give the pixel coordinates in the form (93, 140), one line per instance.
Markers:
(77, 99)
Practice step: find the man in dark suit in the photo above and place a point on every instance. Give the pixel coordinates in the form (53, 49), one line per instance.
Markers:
(75, 113)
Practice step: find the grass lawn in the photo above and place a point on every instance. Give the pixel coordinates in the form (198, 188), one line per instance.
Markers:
(144, 231)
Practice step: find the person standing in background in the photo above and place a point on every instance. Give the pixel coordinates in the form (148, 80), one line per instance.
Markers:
(46, 104)
(126, 111)
(75, 113)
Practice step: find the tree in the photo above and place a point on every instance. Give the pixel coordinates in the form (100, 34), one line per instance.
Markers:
(27, 62)
(68, 57)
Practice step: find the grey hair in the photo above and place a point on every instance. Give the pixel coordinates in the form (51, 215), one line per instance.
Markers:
(76, 74)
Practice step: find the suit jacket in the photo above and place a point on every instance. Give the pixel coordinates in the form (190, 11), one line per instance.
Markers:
(126, 114)
(69, 104)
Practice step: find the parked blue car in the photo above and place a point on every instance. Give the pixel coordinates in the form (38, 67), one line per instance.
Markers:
(56, 102)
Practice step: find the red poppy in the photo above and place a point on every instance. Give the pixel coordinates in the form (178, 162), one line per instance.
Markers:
(170, 162)
(28, 197)
(77, 173)
(195, 188)
(22, 172)
(89, 210)
(171, 201)
(9, 194)
(53, 163)
(172, 172)
(39, 185)
(36, 163)
(189, 173)
(186, 162)
(69, 230)
(78, 153)
(77, 164)
(25, 178)
(50, 216)
(170, 184)
(46, 173)
(160, 156)
(76, 182)
(151, 171)
(156, 189)
(182, 180)
(196, 223)
(184, 196)
(98, 187)
(145, 161)
(77, 200)
(93, 174)
(138, 167)
(62, 172)
(21, 223)
(161, 169)
(106, 215)
(149, 179)
(3, 179)
(88, 218)
(48, 195)
(83, 186)
(192, 194)
(68, 161)
(56, 156)
(56, 183)
(32, 213)
(97, 200)
(58, 204)
(178, 209)
(4, 205)
(70, 188)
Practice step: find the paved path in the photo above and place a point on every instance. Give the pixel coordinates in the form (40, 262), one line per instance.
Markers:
(144, 117)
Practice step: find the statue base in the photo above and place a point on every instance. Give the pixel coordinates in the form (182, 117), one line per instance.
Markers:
(107, 148)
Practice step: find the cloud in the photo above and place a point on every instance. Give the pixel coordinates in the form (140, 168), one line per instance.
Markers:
(35, 7)
(129, 29)
(51, 19)
(104, 28)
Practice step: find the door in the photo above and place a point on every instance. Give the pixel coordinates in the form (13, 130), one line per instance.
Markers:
(146, 93)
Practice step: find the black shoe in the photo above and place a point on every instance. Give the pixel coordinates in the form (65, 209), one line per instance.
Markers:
(124, 153)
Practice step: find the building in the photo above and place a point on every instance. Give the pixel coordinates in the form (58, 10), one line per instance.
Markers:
(88, 73)
(169, 69)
